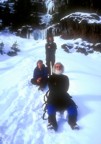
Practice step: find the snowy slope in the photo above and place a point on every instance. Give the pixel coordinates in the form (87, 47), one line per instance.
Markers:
(21, 103)
(1, 1)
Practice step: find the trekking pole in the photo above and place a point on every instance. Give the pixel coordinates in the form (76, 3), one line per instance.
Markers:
(50, 68)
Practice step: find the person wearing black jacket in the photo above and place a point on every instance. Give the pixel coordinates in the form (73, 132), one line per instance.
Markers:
(59, 99)
(50, 49)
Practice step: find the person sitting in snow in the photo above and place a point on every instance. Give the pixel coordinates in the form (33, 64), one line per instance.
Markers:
(50, 49)
(58, 98)
(40, 75)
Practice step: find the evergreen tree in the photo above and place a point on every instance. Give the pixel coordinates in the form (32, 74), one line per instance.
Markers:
(6, 16)
(23, 10)
(1, 48)
(0, 12)
(96, 4)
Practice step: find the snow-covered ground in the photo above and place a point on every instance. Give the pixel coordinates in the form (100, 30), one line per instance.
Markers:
(21, 103)
(1, 1)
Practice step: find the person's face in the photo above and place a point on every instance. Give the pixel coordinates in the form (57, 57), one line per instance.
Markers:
(50, 39)
(58, 67)
(40, 65)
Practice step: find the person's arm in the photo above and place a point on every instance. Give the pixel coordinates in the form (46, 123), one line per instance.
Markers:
(46, 48)
(51, 83)
(55, 46)
(66, 85)
(35, 76)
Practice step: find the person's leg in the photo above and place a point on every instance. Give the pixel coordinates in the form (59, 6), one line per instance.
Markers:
(43, 83)
(72, 116)
(48, 65)
(50, 62)
(52, 117)
(53, 60)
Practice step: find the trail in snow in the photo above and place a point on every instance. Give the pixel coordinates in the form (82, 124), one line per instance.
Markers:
(21, 103)
(22, 111)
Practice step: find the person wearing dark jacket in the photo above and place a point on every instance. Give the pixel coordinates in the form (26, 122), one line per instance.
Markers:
(59, 99)
(40, 75)
(50, 49)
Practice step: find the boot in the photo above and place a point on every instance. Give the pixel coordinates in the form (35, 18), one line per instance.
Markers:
(52, 124)
(72, 123)
(74, 126)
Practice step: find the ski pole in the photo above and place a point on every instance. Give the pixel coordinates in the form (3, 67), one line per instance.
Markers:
(50, 68)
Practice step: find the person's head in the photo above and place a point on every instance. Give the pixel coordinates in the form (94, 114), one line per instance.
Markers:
(58, 68)
(39, 64)
(50, 39)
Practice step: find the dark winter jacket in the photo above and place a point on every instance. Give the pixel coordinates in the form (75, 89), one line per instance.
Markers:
(58, 87)
(58, 83)
(50, 49)
(43, 73)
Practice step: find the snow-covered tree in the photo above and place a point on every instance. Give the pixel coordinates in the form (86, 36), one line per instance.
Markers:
(1, 47)
(15, 47)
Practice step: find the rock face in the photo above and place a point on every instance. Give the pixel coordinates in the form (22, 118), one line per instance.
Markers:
(97, 47)
(78, 24)
(86, 26)
(82, 25)
(79, 46)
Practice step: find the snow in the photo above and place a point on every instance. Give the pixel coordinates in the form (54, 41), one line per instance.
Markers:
(50, 5)
(1, 1)
(46, 19)
(80, 16)
(21, 103)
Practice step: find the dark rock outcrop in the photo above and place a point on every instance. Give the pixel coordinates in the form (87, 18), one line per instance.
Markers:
(80, 47)
(78, 24)
(85, 25)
